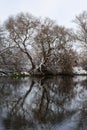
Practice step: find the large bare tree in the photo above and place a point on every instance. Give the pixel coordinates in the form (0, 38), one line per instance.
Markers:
(54, 44)
(20, 30)
(45, 43)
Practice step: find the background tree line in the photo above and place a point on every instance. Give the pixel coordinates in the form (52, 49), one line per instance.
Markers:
(40, 46)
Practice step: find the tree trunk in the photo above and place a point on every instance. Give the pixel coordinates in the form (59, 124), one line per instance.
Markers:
(31, 60)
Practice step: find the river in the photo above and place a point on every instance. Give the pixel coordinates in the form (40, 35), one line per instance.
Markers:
(46, 103)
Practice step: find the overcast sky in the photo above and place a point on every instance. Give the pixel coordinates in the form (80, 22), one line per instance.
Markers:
(63, 11)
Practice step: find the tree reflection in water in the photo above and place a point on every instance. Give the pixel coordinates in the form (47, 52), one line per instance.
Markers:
(53, 103)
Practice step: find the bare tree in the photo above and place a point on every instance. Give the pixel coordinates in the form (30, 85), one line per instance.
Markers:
(21, 29)
(55, 46)
(64, 54)
(44, 43)
(81, 37)
(47, 46)
(81, 32)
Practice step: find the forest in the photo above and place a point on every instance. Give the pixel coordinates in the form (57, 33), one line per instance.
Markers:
(36, 46)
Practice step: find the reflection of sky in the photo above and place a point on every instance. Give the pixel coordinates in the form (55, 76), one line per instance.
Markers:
(1, 123)
(69, 124)
(80, 95)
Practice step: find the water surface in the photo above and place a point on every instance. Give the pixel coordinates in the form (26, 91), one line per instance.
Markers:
(53, 103)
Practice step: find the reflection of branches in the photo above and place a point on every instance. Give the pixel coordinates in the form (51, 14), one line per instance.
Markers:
(27, 93)
(20, 102)
(54, 95)
(44, 103)
(2, 88)
(51, 100)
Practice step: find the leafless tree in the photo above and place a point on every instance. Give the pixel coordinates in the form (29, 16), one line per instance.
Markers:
(55, 46)
(21, 29)
(44, 42)
(81, 30)
(64, 54)
(81, 36)
(46, 45)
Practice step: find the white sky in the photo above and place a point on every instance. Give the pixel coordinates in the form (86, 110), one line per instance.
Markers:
(63, 11)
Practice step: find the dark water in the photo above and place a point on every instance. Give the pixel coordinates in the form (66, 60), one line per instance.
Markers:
(54, 103)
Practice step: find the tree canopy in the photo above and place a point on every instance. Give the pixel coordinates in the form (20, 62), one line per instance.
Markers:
(40, 46)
